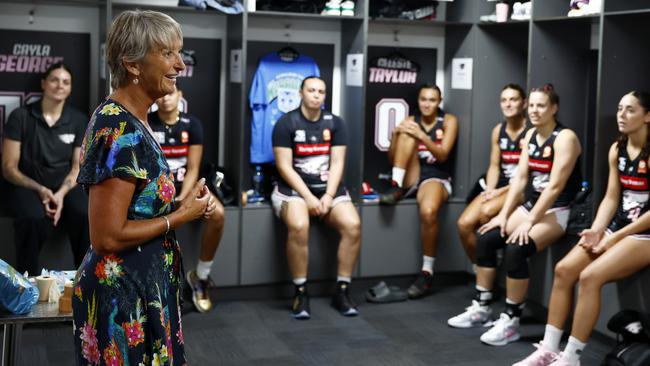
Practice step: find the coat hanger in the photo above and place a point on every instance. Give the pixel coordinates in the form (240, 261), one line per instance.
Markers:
(288, 53)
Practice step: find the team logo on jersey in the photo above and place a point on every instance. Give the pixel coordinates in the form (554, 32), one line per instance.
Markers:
(327, 116)
(327, 135)
(185, 137)
(299, 136)
(503, 143)
(547, 152)
(160, 136)
(67, 138)
(531, 149)
(439, 134)
(621, 163)
(642, 167)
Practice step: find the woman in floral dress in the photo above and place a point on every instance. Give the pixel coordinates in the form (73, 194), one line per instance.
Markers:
(127, 301)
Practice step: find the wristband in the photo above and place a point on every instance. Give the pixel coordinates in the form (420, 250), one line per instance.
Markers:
(168, 224)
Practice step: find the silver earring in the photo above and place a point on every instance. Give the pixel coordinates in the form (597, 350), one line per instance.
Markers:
(136, 81)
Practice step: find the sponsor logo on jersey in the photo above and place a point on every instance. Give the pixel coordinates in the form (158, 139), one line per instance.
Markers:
(299, 136)
(312, 149)
(67, 138)
(635, 183)
(327, 135)
(175, 151)
(439, 134)
(503, 143)
(540, 165)
(643, 168)
(547, 152)
(510, 157)
(185, 137)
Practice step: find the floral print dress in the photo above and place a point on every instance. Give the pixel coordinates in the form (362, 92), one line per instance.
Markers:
(127, 304)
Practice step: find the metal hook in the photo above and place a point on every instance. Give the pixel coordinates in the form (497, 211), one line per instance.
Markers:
(30, 20)
(395, 39)
(287, 34)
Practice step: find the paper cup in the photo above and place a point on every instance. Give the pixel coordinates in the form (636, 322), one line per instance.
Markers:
(44, 283)
(502, 12)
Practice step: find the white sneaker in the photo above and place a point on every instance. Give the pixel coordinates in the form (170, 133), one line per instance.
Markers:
(503, 331)
(332, 8)
(347, 8)
(541, 357)
(475, 315)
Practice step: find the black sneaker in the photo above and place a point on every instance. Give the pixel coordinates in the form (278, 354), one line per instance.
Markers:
(200, 294)
(422, 286)
(300, 303)
(342, 301)
(393, 195)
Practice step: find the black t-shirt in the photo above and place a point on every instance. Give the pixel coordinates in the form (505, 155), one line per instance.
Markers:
(46, 152)
(176, 140)
(310, 142)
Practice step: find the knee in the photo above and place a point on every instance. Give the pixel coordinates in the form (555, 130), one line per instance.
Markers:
(429, 214)
(298, 227)
(486, 248)
(589, 280)
(465, 224)
(217, 217)
(517, 260)
(484, 213)
(564, 274)
(351, 229)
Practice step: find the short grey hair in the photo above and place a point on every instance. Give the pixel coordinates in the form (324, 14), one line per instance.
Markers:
(133, 34)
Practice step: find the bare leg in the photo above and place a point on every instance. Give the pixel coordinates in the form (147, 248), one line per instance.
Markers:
(431, 195)
(296, 216)
(475, 214)
(345, 219)
(212, 234)
(625, 258)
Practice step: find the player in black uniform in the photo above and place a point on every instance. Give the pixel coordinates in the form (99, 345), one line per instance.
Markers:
(549, 173)
(507, 140)
(181, 137)
(309, 145)
(419, 152)
(617, 244)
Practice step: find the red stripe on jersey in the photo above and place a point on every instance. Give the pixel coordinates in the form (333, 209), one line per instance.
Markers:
(510, 157)
(540, 165)
(312, 149)
(423, 147)
(635, 183)
(175, 151)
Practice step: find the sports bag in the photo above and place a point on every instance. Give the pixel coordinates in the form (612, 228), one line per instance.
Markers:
(17, 295)
(632, 330)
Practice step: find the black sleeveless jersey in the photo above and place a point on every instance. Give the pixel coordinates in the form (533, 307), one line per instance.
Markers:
(429, 166)
(509, 153)
(633, 176)
(540, 163)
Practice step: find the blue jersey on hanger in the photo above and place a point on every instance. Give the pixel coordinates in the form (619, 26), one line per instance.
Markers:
(273, 93)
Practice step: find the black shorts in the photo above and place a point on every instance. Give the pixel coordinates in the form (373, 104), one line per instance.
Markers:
(282, 193)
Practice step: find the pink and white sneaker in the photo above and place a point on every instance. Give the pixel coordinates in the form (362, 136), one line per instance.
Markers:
(541, 357)
(560, 361)
(504, 330)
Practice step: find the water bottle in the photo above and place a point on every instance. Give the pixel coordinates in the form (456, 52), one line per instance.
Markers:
(584, 191)
(258, 181)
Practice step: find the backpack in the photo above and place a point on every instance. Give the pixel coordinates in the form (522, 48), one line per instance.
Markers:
(632, 330)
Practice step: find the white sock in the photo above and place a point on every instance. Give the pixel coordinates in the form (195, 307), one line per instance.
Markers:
(427, 263)
(398, 175)
(343, 279)
(552, 337)
(299, 281)
(203, 269)
(573, 351)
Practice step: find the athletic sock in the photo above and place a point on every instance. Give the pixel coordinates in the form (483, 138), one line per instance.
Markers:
(514, 309)
(398, 176)
(427, 264)
(299, 281)
(203, 269)
(573, 351)
(552, 337)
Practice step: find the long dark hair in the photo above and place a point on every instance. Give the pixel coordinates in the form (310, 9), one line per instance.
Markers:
(644, 101)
